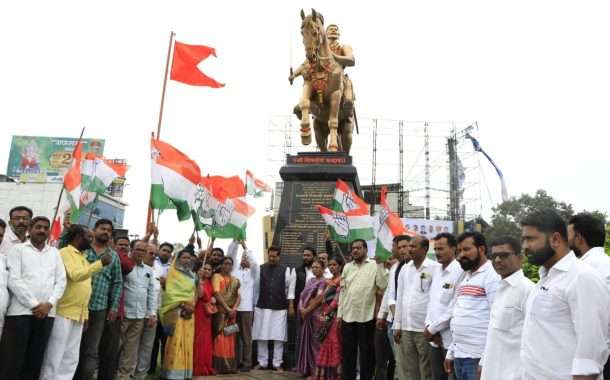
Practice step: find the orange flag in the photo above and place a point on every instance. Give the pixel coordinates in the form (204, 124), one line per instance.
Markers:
(184, 65)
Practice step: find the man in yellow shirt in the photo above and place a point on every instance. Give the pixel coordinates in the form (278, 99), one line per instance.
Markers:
(61, 358)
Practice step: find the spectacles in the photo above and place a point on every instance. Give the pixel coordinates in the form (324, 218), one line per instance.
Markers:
(24, 218)
(500, 255)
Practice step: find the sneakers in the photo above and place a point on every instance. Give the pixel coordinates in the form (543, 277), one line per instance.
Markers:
(278, 369)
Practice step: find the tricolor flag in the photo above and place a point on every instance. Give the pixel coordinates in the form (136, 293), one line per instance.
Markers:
(174, 179)
(345, 200)
(390, 226)
(345, 227)
(98, 173)
(230, 219)
(221, 208)
(254, 186)
(72, 181)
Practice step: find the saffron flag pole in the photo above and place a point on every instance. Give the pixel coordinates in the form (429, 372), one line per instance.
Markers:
(149, 215)
(169, 51)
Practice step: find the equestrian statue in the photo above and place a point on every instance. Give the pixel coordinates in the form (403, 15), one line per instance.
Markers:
(328, 94)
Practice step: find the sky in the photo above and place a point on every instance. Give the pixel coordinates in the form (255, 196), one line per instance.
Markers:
(534, 75)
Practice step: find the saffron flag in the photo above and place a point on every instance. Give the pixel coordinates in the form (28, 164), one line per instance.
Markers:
(174, 179)
(184, 65)
(55, 232)
(390, 226)
(254, 186)
(224, 187)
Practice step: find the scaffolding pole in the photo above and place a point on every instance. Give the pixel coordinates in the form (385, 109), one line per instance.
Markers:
(427, 168)
(401, 194)
(454, 197)
(373, 175)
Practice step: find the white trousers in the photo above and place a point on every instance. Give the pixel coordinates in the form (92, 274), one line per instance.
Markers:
(61, 357)
(263, 353)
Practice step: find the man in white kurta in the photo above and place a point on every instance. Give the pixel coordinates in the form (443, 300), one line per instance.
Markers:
(16, 230)
(275, 301)
(500, 360)
(37, 280)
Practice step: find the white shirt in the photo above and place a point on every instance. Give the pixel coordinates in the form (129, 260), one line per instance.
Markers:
(9, 241)
(160, 268)
(501, 357)
(566, 323)
(598, 260)
(308, 274)
(247, 276)
(139, 292)
(442, 290)
(413, 295)
(384, 307)
(471, 306)
(3, 273)
(327, 274)
(35, 277)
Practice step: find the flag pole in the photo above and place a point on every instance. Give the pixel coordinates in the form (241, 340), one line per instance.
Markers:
(169, 51)
(150, 215)
(61, 192)
(92, 209)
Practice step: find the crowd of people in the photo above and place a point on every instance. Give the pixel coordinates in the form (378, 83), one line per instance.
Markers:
(106, 307)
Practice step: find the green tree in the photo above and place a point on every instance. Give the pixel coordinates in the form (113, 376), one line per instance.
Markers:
(508, 215)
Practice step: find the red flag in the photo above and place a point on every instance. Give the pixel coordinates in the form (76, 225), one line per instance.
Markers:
(224, 187)
(184, 65)
(55, 231)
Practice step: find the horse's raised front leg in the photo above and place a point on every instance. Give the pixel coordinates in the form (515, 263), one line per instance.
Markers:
(333, 120)
(304, 104)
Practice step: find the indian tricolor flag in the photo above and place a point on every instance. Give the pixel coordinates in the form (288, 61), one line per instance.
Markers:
(98, 173)
(72, 181)
(346, 227)
(345, 200)
(230, 219)
(390, 226)
(174, 179)
(254, 186)
(221, 208)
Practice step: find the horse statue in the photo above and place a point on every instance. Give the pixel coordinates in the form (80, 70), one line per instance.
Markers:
(323, 90)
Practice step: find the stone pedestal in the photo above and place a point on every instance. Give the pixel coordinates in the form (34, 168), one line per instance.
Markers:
(309, 179)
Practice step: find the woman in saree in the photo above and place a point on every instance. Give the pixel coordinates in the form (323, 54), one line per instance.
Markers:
(204, 312)
(177, 318)
(309, 309)
(226, 289)
(328, 361)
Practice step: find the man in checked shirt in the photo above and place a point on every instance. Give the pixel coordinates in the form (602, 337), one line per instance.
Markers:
(103, 305)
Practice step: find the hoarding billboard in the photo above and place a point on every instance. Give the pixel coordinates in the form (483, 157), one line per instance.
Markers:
(45, 159)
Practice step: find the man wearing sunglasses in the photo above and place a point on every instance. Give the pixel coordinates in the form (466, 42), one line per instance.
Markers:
(501, 356)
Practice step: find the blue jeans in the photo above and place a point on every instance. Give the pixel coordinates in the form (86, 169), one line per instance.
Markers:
(465, 368)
